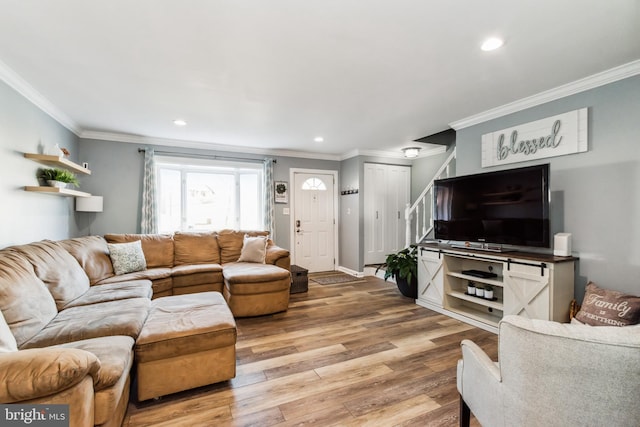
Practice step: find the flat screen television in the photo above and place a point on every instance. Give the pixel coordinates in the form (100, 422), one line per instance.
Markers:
(507, 207)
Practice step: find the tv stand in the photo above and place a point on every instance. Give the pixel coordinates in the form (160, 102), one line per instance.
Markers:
(537, 286)
(488, 247)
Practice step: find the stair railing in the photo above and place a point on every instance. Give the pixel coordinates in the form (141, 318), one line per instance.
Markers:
(419, 216)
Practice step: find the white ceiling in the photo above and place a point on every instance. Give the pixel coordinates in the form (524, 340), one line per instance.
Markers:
(269, 76)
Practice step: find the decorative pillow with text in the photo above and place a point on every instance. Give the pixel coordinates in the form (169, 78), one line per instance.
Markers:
(127, 257)
(603, 307)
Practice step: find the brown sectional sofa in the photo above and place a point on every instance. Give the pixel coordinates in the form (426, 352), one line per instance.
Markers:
(75, 323)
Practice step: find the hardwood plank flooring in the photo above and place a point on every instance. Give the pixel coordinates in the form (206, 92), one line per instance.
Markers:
(343, 355)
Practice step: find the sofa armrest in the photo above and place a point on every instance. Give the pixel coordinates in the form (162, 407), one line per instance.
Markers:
(34, 373)
(278, 256)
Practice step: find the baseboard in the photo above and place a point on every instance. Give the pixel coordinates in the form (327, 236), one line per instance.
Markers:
(351, 272)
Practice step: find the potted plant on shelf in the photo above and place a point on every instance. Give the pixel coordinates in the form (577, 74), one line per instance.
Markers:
(55, 177)
(403, 267)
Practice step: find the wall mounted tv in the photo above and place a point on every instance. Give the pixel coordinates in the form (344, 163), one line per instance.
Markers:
(487, 210)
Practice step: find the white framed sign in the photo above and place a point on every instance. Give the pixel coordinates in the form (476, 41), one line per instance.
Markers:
(554, 136)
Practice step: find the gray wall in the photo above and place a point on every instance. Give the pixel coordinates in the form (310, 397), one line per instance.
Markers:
(350, 238)
(117, 171)
(595, 195)
(24, 216)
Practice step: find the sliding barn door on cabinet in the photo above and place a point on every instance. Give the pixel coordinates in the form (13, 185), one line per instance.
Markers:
(386, 194)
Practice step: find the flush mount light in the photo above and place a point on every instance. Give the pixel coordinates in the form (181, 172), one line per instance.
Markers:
(492, 43)
(179, 122)
(411, 152)
(318, 139)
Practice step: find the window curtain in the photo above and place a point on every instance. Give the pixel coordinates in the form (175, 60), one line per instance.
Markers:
(149, 217)
(269, 199)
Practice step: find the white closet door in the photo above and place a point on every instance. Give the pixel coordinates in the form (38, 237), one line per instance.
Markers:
(374, 212)
(386, 193)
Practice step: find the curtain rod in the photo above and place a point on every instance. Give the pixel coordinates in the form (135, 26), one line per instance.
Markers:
(205, 156)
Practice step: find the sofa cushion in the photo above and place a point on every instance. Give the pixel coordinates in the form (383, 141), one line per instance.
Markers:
(92, 254)
(157, 248)
(126, 257)
(196, 248)
(110, 383)
(64, 277)
(254, 249)
(25, 301)
(231, 241)
(113, 292)
(603, 307)
(150, 274)
(35, 373)
(185, 324)
(115, 354)
(122, 317)
(7, 340)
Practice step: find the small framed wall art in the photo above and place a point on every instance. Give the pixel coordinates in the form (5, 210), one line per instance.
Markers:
(282, 191)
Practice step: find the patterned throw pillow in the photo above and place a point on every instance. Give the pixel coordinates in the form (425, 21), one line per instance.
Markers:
(127, 257)
(254, 249)
(602, 307)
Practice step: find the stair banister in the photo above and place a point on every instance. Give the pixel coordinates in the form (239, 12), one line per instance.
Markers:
(421, 229)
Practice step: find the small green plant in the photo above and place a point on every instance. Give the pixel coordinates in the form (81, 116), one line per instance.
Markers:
(403, 264)
(56, 174)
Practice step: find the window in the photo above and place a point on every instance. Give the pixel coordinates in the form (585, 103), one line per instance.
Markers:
(314, 184)
(201, 195)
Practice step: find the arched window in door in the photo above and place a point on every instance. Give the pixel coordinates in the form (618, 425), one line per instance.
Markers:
(314, 184)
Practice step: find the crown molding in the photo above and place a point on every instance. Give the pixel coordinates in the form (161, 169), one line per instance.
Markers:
(167, 142)
(17, 83)
(600, 79)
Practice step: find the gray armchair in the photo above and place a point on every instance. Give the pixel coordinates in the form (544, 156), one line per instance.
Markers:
(552, 374)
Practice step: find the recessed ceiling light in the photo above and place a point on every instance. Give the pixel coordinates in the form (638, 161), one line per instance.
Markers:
(179, 122)
(492, 43)
(318, 139)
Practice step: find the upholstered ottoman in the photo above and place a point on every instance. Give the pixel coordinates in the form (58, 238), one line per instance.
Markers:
(253, 289)
(187, 341)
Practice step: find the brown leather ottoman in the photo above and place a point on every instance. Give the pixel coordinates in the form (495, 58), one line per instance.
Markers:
(187, 341)
(253, 289)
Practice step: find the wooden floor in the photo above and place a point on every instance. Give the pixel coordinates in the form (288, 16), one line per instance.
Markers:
(344, 355)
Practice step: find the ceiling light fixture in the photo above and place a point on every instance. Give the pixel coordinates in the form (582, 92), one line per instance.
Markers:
(318, 139)
(179, 122)
(492, 43)
(411, 152)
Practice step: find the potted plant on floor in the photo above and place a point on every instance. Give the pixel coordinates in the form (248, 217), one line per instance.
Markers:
(403, 267)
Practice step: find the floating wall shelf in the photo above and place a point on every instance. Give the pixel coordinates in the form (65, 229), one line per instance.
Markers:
(57, 191)
(50, 160)
(57, 161)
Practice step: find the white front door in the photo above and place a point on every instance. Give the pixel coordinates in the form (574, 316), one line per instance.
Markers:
(314, 220)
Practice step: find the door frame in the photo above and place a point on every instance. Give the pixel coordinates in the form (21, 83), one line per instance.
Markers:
(336, 211)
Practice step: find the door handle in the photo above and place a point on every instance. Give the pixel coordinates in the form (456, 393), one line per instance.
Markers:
(298, 223)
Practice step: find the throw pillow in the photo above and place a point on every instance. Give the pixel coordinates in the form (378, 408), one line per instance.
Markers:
(127, 257)
(7, 340)
(603, 307)
(254, 249)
